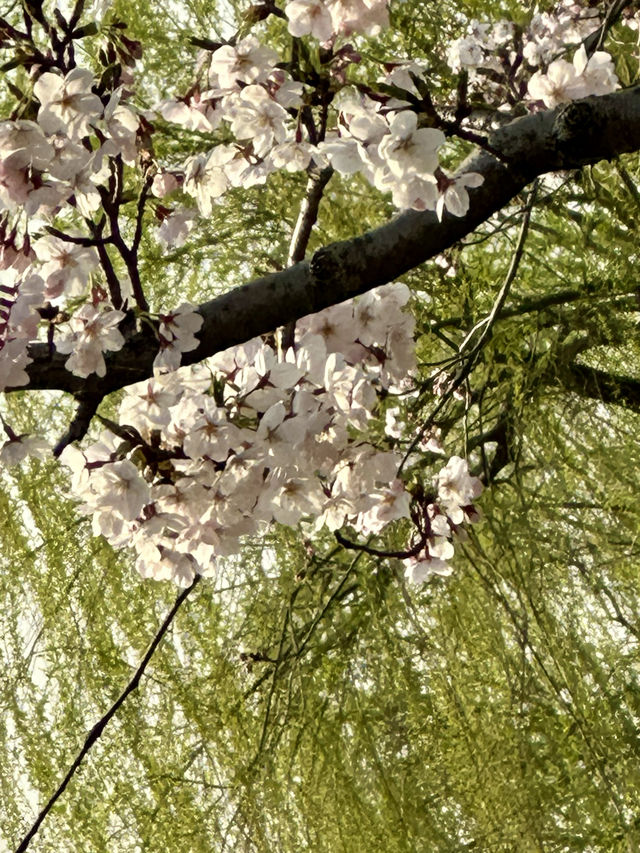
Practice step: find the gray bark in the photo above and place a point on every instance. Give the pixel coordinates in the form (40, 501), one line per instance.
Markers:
(573, 135)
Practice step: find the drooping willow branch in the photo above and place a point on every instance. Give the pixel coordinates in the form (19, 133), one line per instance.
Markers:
(102, 723)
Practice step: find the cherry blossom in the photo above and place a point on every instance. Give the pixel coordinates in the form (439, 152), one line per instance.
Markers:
(93, 332)
(67, 104)
(248, 61)
(408, 149)
(453, 194)
(309, 17)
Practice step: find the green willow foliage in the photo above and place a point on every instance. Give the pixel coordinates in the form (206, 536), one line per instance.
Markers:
(306, 699)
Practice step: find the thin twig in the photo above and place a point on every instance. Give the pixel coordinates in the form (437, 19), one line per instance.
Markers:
(489, 321)
(87, 407)
(469, 356)
(307, 218)
(100, 726)
(595, 40)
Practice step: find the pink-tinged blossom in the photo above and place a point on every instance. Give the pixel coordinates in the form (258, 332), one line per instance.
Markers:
(457, 488)
(560, 84)
(17, 449)
(423, 567)
(66, 266)
(453, 195)
(565, 81)
(67, 104)
(257, 117)
(121, 128)
(289, 495)
(359, 16)
(177, 335)
(309, 17)
(94, 331)
(197, 113)
(69, 158)
(346, 155)
(410, 150)
(164, 183)
(464, 53)
(208, 431)
(23, 144)
(205, 177)
(13, 361)
(284, 89)
(391, 503)
(175, 228)
(20, 296)
(248, 61)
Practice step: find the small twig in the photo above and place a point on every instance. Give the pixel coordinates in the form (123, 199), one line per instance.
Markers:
(100, 726)
(77, 241)
(468, 357)
(452, 128)
(87, 407)
(113, 282)
(489, 321)
(374, 552)
(307, 218)
(308, 214)
(595, 40)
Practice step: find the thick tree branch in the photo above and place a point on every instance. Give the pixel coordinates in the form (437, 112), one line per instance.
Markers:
(600, 385)
(573, 135)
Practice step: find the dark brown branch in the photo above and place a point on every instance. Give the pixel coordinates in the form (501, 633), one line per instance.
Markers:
(77, 241)
(87, 407)
(308, 214)
(375, 552)
(102, 723)
(600, 385)
(596, 40)
(307, 217)
(568, 137)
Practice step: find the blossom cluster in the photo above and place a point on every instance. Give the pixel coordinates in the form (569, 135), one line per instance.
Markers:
(196, 464)
(59, 159)
(63, 161)
(507, 64)
(262, 104)
(325, 19)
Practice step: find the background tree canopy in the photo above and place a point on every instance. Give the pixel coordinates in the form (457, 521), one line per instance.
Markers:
(307, 698)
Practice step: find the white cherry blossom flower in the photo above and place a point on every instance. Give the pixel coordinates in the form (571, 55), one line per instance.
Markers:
(453, 192)
(597, 71)
(256, 116)
(66, 266)
(67, 104)
(309, 17)
(408, 149)
(291, 155)
(248, 61)
(119, 485)
(93, 332)
(177, 335)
